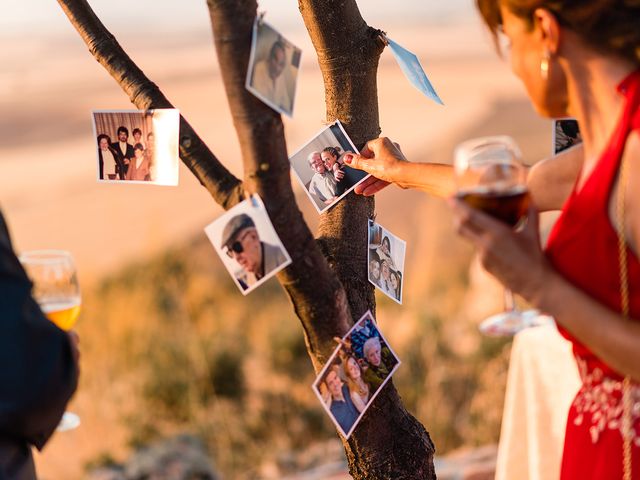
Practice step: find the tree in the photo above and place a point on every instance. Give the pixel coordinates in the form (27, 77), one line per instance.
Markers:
(327, 280)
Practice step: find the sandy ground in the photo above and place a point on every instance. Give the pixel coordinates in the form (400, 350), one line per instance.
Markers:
(47, 157)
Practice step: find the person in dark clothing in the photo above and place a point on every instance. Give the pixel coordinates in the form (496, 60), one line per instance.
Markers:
(38, 369)
(342, 407)
(124, 151)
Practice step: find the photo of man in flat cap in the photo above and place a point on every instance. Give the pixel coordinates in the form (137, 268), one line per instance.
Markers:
(241, 242)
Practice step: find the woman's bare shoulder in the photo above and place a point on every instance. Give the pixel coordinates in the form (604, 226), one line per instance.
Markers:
(551, 180)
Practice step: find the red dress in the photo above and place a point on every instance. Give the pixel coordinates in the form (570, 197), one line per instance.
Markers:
(583, 247)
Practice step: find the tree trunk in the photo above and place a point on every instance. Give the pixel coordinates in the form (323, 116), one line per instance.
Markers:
(389, 442)
(327, 280)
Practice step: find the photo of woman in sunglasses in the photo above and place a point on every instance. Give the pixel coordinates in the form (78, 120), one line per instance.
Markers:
(249, 258)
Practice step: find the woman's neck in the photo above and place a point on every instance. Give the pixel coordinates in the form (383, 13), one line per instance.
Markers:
(593, 98)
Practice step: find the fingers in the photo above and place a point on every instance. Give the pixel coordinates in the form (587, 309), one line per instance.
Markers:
(371, 186)
(476, 226)
(359, 162)
(361, 187)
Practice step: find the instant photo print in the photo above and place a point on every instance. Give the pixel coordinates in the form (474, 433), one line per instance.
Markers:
(319, 167)
(248, 245)
(386, 254)
(137, 146)
(274, 63)
(565, 134)
(356, 372)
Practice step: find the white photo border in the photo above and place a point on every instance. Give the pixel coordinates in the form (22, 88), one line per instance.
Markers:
(250, 67)
(256, 203)
(398, 239)
(132, 182)
(355, 150)
(314, 387)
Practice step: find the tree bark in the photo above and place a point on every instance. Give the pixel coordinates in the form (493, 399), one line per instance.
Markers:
(317, 296)
(389, 442)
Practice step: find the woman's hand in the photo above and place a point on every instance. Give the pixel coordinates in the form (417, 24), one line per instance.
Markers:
(382, 159)
(513, 257)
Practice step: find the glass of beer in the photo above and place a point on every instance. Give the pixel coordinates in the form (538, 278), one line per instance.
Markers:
(490, 177)
(57, 291)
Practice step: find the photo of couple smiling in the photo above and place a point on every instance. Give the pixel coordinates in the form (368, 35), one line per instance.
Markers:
(320, 167)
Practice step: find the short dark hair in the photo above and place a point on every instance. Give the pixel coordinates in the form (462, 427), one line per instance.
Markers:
(333, 151)
(123, 129)
(103, 135)
(136, 130)
(138, 146)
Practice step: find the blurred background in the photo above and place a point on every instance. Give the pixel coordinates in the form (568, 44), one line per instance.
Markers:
(169, 346)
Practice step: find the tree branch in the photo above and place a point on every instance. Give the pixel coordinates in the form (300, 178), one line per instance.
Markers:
(226, 189)
(318, 297)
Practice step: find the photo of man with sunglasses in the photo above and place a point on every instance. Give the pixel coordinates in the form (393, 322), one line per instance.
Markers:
(241, 242)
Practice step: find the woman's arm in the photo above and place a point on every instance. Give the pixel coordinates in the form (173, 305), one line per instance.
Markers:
(607, 334)
(550, 181)
(516, 260)
(383, 159)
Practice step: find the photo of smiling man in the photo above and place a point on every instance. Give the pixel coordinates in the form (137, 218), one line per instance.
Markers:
(248, 244)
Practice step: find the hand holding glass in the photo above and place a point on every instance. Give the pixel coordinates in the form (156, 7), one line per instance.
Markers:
(56, 289)
(490, 177)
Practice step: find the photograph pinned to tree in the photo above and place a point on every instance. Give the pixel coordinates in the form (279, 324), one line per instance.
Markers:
(247, 244)
(362, 363)
(273, 69)
(565, 134)
(137, 146)
(386, 254)
(319, 167)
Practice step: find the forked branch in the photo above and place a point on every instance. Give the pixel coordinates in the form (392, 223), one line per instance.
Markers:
(225, 188)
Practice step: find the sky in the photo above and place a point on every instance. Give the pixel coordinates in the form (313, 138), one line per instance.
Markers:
(20, 16)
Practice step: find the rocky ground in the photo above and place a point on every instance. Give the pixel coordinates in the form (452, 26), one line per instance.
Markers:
(184, 458)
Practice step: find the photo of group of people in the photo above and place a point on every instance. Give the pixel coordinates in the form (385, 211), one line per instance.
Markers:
(354, 375)
(247, 244)
(137, 146)
(566, 134)
(320, 168)
(386, 261)
(273, 69)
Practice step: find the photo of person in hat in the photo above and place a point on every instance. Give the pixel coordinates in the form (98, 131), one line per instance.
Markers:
(241, 242)
(247, 244)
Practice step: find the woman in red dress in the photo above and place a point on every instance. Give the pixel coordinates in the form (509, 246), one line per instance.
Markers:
(578, 58)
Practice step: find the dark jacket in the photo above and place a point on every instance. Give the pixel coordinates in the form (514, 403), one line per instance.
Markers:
(129, 154)
(37, 372)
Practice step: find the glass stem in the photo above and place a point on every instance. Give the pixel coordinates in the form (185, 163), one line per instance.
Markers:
(509, 301)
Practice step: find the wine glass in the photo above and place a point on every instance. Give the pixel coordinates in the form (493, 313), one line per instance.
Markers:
(490, 177)
(56, 289)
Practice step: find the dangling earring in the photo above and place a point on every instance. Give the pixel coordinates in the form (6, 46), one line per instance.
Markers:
(544, 64)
